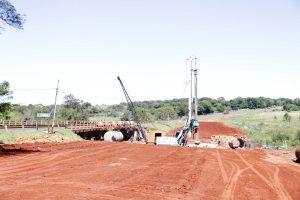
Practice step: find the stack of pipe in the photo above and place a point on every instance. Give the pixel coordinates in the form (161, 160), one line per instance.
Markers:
(113, 136)
(237, 143)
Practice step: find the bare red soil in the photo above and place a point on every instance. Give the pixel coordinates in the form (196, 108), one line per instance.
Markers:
(207, 129)
(100, 170)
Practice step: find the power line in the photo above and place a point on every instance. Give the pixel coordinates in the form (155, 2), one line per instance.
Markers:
(33, 90)
(63, 92)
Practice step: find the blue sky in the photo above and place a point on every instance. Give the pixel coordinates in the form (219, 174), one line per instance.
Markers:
(244, 48)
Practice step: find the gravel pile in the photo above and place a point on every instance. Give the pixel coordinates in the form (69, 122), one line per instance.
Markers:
(40, 139)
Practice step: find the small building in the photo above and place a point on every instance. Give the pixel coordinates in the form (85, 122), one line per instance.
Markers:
(153, 134)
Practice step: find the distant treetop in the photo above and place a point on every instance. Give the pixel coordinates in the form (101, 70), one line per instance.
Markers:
(10, 16)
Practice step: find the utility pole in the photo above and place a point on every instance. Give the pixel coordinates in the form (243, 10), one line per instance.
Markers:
(54, 112)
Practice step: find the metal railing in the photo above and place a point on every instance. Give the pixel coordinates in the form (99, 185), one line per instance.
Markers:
(73, 125)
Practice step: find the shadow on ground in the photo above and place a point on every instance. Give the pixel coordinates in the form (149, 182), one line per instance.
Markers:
(10, 150)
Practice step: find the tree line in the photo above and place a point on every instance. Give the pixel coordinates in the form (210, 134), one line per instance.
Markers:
(75, 109)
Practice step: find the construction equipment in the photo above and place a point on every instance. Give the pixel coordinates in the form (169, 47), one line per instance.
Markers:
(181, 138)
(192, 125)
(142, 132)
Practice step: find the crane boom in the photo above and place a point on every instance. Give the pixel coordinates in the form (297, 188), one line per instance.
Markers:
(133, 111)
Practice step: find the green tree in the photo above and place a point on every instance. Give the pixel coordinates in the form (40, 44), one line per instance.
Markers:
(290, 107)
(5, 94)
(143, 114)
(74, 108)
(10, 16)
(205, 107)
(219, 107)
(166, 112)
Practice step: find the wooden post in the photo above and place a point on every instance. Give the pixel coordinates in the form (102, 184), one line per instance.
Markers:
(36, 125)
(54, 112)
(5, 127)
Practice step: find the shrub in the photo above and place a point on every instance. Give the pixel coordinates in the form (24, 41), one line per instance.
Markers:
(297, 135)
(279, 137)
(287, 117)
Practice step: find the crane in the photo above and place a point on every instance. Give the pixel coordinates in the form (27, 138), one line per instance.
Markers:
(131, 107)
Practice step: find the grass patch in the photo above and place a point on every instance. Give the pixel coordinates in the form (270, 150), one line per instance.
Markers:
(104, 118)
(264, 126)
(10, 137)
(163, 125)
(68, 135)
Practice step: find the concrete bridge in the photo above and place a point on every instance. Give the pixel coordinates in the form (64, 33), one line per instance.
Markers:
(85, 129)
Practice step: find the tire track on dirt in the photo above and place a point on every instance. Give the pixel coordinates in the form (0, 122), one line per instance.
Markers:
(127, 184)
(36, 156)
(138, 193)
(223, 172)
(230, 187)
(48, 157)
(29, 158)
(46, 163)
(196, 173)
(275, 184)
(262, 177)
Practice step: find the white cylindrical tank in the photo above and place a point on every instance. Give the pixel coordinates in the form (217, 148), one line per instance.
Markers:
(113, 136)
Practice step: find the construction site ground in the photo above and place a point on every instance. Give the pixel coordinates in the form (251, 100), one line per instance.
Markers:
(208, 129)
(101, 170)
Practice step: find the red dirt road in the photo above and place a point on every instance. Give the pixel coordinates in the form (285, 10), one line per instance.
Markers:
(207, 129)
(99, 170)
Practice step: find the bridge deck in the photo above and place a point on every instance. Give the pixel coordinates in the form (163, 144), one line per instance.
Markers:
(76, 126)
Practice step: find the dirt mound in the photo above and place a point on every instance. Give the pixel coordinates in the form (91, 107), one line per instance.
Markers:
(100, 170)
(208, 129)
(40, 139)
